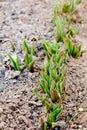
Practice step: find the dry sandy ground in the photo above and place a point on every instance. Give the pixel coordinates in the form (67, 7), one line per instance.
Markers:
(27, 19)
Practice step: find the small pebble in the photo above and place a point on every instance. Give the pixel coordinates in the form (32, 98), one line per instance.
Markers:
(80, 109)
(1, 110)
(80, 126)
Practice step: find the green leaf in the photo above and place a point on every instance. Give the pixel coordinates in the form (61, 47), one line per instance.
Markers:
(33, 49)
(79, 48)
(29, 62)
(45, 126)
(36, 94)
(26, 60)
(26, 47)
(54, 114)
(13, 61)
(18, 63)
(78, 1)
(75, 52)
(49, 106)
(68, 7)
(74, 116)
(52, 94)
(31, 66)
(44, 87)
(60, 32)
(69, 46)
(61, 87)
(71, 31)
(57, 9)
(60, 62)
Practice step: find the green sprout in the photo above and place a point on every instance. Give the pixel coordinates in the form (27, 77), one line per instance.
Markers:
(12, 46)
(72, 31)
(29, 62)
(29, 50)
(72, 49)
(50, 48)
(29, 58)
(15, 63)
(49, 106)
(78, 1)
(33, 49)
(26, 47)
(68, 7)
(60, 33)
(58, 9)
(66, 10)
(52, 116)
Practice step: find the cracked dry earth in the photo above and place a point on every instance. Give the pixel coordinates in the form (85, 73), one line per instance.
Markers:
(19, 108)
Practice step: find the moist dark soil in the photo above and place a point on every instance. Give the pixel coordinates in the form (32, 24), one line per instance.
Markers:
(19, 108)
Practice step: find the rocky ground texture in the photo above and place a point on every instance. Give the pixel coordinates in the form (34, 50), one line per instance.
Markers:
(19, 108)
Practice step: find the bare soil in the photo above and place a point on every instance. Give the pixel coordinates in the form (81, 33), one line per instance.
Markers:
(19, 108)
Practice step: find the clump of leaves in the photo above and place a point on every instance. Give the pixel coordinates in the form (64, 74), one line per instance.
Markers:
(63, 29)
(29, 58)
(52, 116)
(29, 62)
(68, 7)
(72, 49)
(53, 73)
(58, 9)
(60, 33)
(67, 10)
(15, 63)
(53, 85)
(50, 48)
(71, 31)
(29, 50)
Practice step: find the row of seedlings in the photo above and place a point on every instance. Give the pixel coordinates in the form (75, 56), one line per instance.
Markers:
(53, 74)
(64, 19)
